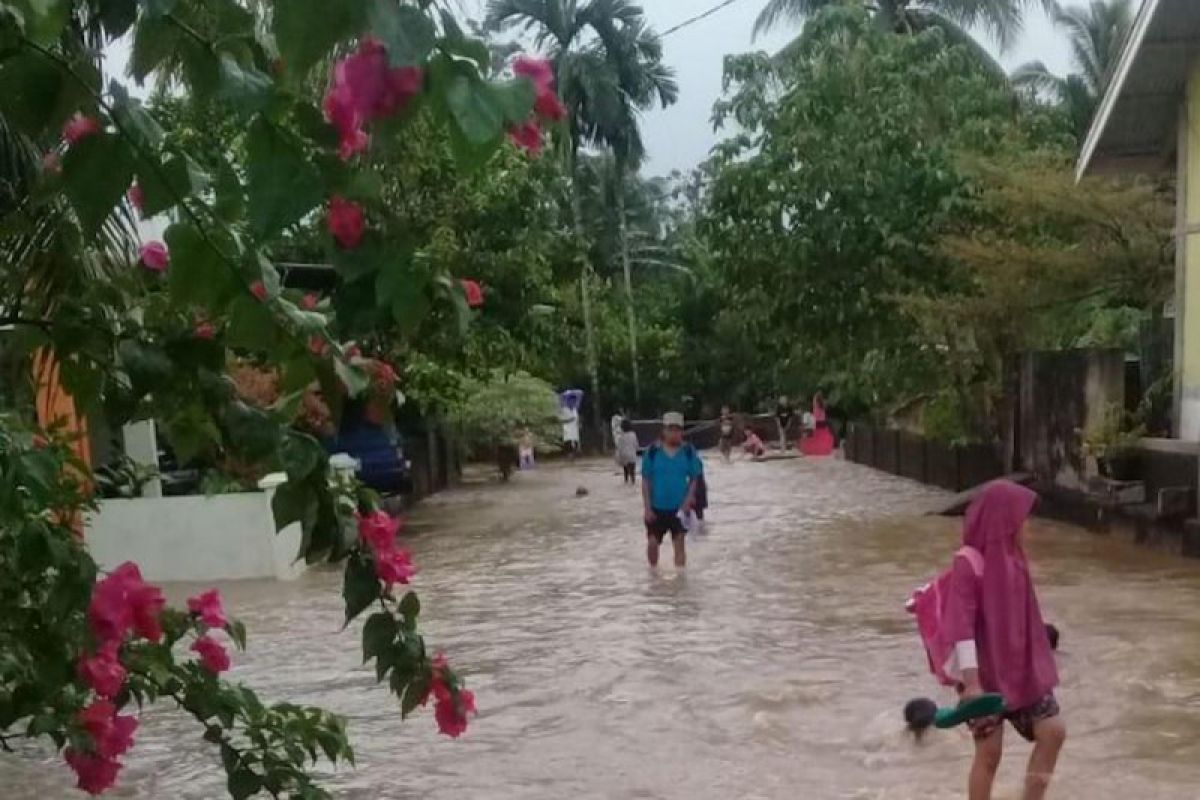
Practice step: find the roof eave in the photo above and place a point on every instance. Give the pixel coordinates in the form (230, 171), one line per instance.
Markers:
(1116, 86)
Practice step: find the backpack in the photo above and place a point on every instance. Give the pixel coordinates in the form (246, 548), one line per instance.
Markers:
(928, 605)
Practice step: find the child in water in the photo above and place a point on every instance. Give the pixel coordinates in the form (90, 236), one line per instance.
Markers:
(1001, 642)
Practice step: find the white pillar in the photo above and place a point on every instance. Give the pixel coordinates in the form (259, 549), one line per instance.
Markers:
(141, 445)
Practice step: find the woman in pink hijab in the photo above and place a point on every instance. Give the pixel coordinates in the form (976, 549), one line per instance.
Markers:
(1000, 640)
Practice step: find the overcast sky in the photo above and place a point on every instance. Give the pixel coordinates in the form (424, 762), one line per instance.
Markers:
(680, 136)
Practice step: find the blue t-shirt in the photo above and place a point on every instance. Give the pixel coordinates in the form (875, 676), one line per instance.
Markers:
(669, 475)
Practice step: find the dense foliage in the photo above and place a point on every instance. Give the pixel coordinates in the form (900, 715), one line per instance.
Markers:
(146, 332)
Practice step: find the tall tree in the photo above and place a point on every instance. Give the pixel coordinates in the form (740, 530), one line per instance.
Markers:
(1000, 19)
(1096, 33)
(609, 66)
(634, 53)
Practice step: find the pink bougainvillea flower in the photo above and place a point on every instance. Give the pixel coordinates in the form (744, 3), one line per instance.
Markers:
(451, 713)
(345, 221)
(310, 301)
(112, 734)
(121, 601)
(207, 607)
(538, 70)
(102, 671)
(154, 256)
(353, 351)
(137, 197)
(527, 136)
(549, 107)
(205, 330)
(95, 775)
(394, 566)
(52, 162)
(259, 290)
(378, 531)
(385, 376)
(79, 127)
(317, 345)
(147, 604)
(212, 655)
(473, 291)
(363, 90)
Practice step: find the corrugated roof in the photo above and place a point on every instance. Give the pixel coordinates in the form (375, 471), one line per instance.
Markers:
(1135, 126)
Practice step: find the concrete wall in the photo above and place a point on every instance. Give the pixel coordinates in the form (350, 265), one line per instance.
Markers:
(909, 455)
(196, 538)
(1061, 394)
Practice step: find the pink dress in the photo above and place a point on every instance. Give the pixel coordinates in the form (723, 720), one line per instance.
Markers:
(999, 610)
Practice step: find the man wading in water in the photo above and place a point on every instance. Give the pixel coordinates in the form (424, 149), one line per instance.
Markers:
(671, 469)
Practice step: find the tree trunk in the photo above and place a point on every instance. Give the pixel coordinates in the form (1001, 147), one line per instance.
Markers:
(589, 331)
(623, 236)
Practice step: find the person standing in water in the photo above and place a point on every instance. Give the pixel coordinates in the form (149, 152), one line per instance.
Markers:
(1000, 640)
(671, 469)
(726, 429)
(627, 451)
(783, 416)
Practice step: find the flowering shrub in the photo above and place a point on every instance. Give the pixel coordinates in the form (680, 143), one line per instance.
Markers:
(81, 649)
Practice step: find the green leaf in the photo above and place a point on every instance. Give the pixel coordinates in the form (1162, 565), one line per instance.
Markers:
(198, 274)
(97, 171)
(252, 431)
(166, 184)
(237, 632)
(155, 41)
(117, 16)
(245, 88)
(415, 693)
(157, 8)
(192, 432)
(406, 32)
(300, 454)
(133, 118)
(148, 366)
(360, 588)
(43, 19)
(243, 783)
(378, 634)
(298, 373)
(294, 502)
(405, 293)
(410, 605)
(230, 196)
(302, 40)
(283, 184)
(251, 326)
(476, 109)
(30, 88)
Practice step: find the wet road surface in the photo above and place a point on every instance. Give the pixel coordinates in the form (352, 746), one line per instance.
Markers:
(774, 667)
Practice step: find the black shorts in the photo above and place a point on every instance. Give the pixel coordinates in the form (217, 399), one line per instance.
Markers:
(1023, 720)
(665, 522)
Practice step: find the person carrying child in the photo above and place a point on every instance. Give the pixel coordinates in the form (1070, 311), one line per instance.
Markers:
(999, 640)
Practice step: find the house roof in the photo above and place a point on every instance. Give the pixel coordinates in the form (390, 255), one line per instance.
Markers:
(1135, 125)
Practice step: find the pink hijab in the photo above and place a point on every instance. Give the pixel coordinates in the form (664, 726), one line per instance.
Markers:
(1000, 609)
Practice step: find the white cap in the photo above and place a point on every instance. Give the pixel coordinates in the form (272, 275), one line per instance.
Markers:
(672, 419)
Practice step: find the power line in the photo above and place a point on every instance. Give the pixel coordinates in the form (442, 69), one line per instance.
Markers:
(698, 17)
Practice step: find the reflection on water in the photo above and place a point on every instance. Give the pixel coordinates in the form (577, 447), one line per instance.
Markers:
(775, 668)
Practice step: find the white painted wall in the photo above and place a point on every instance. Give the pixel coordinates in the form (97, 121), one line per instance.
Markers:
(196, 538)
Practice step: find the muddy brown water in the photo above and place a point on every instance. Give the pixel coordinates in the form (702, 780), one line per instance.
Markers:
(775, 667)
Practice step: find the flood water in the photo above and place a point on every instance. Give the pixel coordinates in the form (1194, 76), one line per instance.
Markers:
(776, 667)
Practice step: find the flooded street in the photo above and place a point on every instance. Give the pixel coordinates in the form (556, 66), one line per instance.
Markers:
(776, 667)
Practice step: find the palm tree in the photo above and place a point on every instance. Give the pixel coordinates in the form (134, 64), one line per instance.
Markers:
(609, 67)
(1000, 19)
(1096, 33)
(635, 55)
